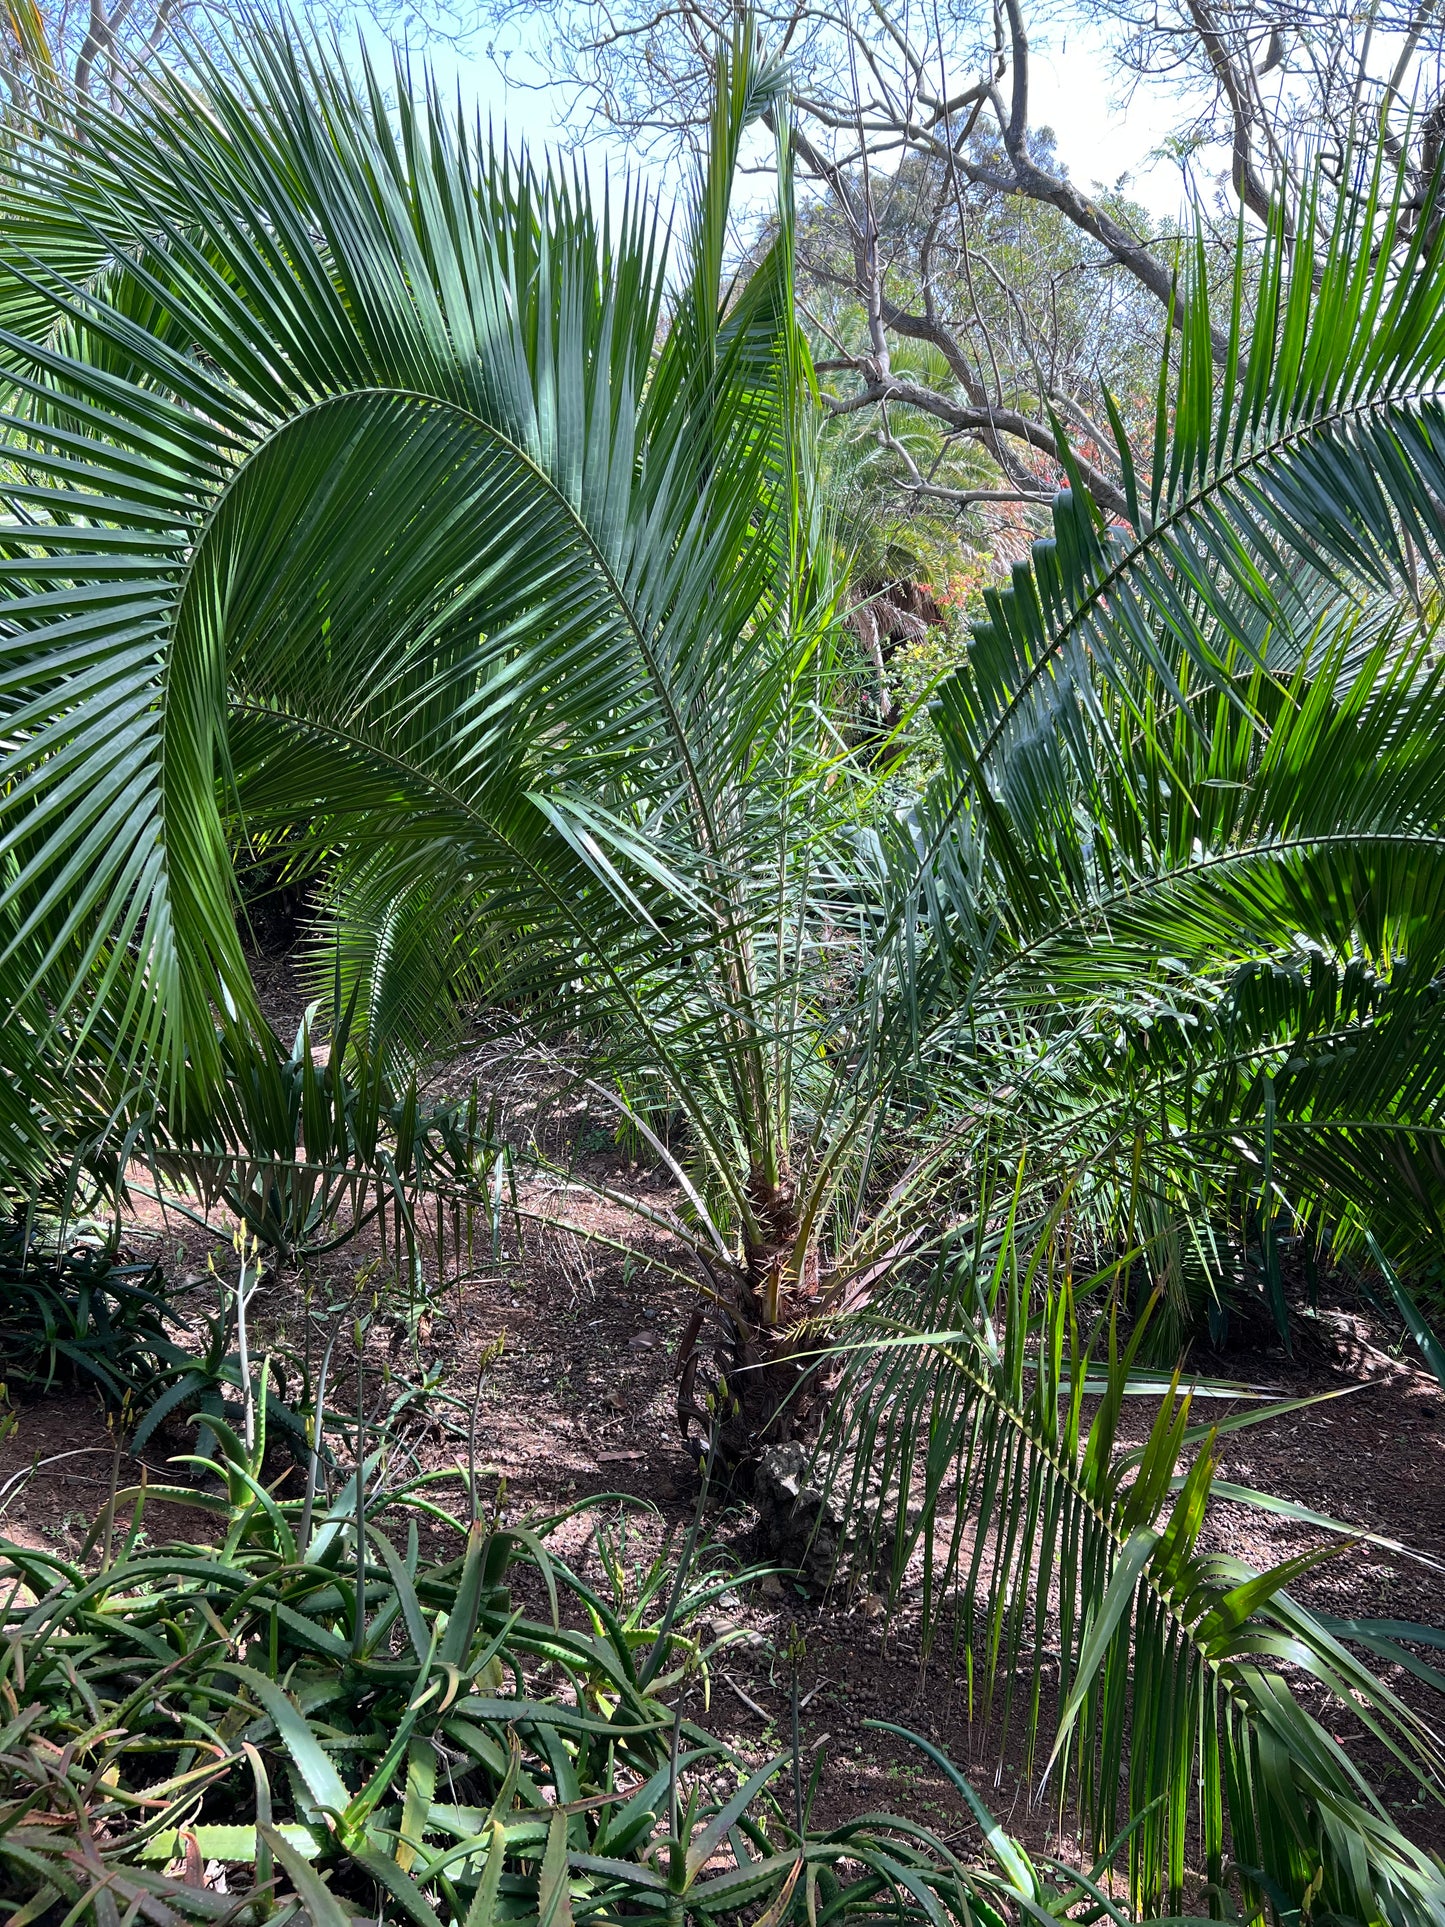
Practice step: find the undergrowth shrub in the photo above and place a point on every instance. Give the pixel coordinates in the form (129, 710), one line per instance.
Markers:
(308, 1720)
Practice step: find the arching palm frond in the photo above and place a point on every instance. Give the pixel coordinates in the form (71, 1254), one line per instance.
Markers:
(1168, 932)
(1308, 471)
(355, 505)
(1208, 746)
(1069, 1572)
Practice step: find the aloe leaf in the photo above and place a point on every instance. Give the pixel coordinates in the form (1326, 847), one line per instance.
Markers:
(240, 1843)
(317, 1898)
(706, 1844)
(402, 1888)
(727, 1890)
(554, 1895)
(411, 1613)
(364, 1803)
(161, 1410)
(456, 1641)
(1005, 1850)
(312, 1761)
(421, 1780)
(483, 1910)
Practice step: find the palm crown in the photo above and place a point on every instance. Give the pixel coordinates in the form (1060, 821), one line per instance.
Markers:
(377, 504)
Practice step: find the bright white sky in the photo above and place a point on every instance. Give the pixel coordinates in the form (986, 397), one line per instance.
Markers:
(1072, 89)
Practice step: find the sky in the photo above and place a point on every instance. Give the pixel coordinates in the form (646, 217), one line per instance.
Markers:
(1072, 89)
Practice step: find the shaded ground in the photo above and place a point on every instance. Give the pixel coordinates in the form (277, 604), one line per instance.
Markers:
(581, 1401)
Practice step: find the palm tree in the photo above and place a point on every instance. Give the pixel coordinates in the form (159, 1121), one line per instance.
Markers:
(376, 503)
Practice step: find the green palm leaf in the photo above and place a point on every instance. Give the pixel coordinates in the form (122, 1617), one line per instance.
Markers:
(352, 506)
(1199, 755)
(1070, 1578)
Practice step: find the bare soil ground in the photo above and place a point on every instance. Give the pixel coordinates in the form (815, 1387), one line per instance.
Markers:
(581, 1402)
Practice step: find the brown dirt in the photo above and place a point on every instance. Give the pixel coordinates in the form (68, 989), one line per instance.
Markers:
(581, 1401)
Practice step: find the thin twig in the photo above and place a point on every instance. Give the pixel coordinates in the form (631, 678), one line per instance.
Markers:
(747, 1699)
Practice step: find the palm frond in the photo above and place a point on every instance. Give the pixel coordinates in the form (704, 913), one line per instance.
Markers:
(425, 551)
(1201, 753)
(1304, 477)
(1063, 1575)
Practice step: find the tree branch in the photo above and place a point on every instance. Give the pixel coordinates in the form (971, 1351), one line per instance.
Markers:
(982, 420)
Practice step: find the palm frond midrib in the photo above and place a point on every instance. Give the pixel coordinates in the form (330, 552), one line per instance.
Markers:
(1071, 1123)
(1258, 456)
(1136, 896)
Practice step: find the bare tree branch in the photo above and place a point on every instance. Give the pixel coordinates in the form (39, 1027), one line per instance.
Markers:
(987, 420)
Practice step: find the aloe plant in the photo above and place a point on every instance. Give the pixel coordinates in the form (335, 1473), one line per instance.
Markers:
(432, 1755)
(79, 1313)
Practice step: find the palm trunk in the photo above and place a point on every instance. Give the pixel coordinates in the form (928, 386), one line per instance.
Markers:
(775, 1385)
